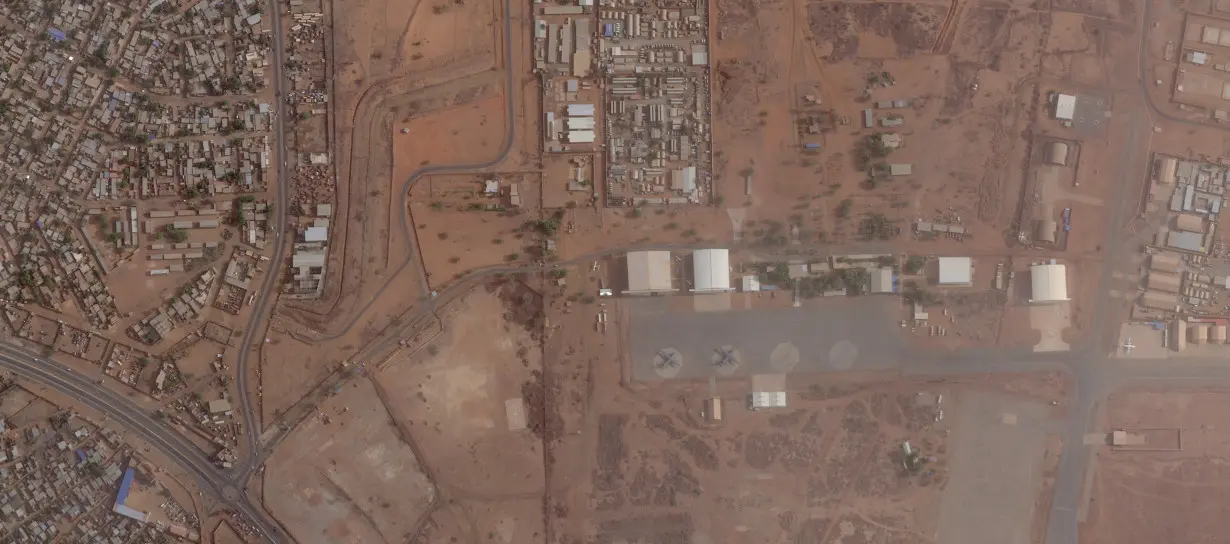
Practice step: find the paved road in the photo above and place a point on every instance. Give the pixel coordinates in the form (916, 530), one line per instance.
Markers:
(272, 282)
(509, 133)
(212, 481)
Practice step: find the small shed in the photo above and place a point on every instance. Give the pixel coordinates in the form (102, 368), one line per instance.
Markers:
(219, 406)
(1189, 223)
(1046, 230)
(713, 410)
(1057, 154)
(751, 283)
(766, 399)
(900, 169)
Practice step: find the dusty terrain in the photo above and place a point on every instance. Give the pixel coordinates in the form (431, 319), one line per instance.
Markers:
(347, 475)
(466, 401)
(402, 66)
(1162, 495)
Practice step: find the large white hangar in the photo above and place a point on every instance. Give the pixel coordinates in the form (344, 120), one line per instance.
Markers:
(649, 272)
(711, 271)
(1049, 283)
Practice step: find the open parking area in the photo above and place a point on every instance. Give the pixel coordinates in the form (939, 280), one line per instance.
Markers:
(997, 455)
(828, 335)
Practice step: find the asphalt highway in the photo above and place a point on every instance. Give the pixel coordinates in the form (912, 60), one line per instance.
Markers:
(268, 289)
(211, 480)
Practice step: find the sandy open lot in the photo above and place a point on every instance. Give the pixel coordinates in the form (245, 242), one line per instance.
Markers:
(1162, 495)
(462, 400)
(353, 479)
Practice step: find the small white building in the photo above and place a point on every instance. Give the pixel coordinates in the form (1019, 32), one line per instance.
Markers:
(766, 399)
(711, 271)
(751, 283)
(649, 272)
(955, 271)
(1049, 283)
(1065, 107)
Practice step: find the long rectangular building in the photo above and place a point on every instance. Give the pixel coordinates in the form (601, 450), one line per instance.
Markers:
(1159, 300)
(1165, 262)
(1163, 282)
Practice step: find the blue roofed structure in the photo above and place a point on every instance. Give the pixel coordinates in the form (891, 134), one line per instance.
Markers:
(122, 496)
(125, 486)
(56, 34)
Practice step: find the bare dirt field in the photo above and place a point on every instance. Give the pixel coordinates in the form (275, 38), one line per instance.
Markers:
(346, 475)
(466, 401)
(411, 66)
(1147, 496)
(462, 228)
(763, 109)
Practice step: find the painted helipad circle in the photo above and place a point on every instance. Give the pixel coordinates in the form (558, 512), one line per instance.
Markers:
(667, 362)
(726, 360)
(784, 357)
(842, 355)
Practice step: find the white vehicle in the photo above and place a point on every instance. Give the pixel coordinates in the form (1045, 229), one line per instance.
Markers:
(1128, 346)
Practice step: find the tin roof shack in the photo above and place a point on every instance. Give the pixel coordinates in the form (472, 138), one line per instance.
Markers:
(900, 169)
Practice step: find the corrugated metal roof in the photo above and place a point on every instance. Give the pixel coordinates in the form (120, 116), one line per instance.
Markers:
(1187, 241)
(711, 270)
(649, 271)
(1163, 282)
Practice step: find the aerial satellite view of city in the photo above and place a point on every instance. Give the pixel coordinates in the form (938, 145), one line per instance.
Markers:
(614, 272)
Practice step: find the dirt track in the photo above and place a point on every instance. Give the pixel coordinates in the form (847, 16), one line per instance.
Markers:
(453, 46)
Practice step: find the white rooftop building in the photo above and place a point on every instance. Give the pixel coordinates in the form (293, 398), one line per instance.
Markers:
(956, 271)
(316, 234)
(1049, 282)
(766, 399)
(649, 272)
(711, 271)
(1065, 107)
